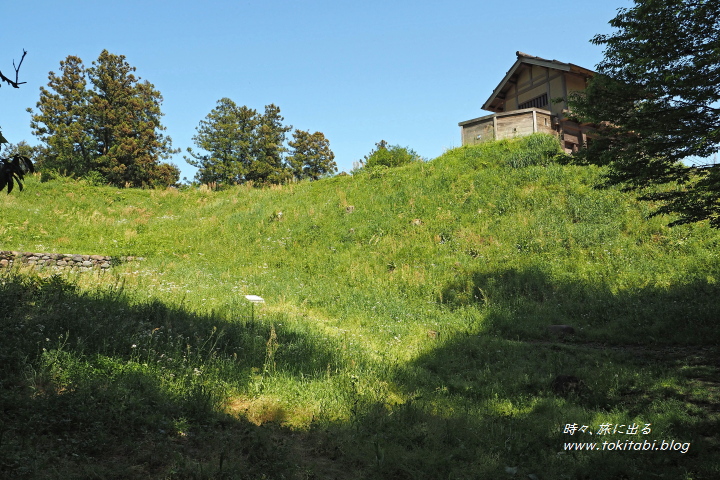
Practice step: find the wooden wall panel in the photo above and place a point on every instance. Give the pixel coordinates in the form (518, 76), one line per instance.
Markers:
(478, 132)
(503, 126)
(514, 126)
(545, 124)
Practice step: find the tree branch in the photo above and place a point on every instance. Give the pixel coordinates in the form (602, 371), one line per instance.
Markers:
(16, 83)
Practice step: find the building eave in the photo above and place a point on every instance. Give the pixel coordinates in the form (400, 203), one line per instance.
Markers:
(525, 59)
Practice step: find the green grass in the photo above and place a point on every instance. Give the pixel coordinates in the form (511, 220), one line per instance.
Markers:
(404, 333)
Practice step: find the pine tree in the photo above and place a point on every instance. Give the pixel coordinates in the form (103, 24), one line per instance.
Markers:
(227, 134)
(240, 146)
(61, 121)
(311, 155)
(268, 165)
(112, 128)
(124, 118)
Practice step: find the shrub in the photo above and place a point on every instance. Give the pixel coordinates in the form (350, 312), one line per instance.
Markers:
(390, 156)
(48, 175)
(95, 178)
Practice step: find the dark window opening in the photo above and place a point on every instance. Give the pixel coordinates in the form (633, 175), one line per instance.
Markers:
(536, 102)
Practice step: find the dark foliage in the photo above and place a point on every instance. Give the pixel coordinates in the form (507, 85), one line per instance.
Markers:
(12, 170)
(655, 103)
(14, 167)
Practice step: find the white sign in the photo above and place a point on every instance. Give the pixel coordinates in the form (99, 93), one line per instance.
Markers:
(255, 299)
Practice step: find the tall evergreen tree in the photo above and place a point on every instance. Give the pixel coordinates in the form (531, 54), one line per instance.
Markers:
(227, 135)
(269, 165)
(62, 119)
(311, 155)
(656, 100)
(240, 145)
(237, 145)
(113, 127)
(124, 119)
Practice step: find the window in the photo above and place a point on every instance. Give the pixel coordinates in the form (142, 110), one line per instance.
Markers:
(536, 102)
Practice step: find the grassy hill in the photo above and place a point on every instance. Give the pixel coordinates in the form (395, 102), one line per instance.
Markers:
(404, 334)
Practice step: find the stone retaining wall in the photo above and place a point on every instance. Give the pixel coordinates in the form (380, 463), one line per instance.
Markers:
(62, 260)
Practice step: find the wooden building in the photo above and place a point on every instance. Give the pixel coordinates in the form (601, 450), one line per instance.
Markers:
(532, 97)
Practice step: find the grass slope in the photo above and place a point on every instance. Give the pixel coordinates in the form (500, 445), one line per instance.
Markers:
(404, 333)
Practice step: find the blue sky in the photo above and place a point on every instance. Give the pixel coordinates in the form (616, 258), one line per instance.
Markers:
(402, 71)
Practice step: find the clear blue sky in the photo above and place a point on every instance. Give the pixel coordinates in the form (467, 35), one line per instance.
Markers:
(402, 71)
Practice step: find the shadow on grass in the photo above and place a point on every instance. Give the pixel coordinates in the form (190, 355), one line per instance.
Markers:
(96, 385)
(524, 302)
(648, 358)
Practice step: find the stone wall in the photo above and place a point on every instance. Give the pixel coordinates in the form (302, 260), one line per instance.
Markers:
(82, 263)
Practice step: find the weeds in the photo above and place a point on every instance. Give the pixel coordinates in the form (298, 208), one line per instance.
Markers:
(404, 338)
